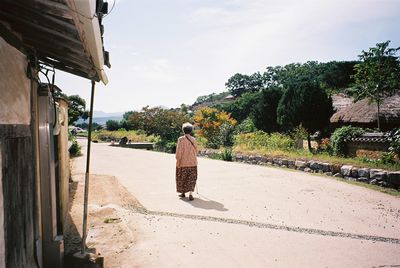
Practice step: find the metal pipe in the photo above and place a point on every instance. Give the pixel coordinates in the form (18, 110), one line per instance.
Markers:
(85, 201)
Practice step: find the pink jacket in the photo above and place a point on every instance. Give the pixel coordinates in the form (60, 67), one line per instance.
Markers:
(186, 153)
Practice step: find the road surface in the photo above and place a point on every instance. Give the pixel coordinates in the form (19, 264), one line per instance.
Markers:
(243, 216)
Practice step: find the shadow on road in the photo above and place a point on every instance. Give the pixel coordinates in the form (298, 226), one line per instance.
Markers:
(205, 203)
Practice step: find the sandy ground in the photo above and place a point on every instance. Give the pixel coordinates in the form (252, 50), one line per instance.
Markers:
(244, 216)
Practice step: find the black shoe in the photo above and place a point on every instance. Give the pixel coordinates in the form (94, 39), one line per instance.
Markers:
(182, 195)
(191, 198)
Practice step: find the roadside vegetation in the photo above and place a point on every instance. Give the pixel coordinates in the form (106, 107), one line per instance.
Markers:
(273, 112)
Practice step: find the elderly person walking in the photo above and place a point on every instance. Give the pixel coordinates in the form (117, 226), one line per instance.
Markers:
(186, 162)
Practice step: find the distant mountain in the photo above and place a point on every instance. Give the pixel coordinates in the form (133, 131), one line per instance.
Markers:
(100, 120)
(103, 120)
(97, 114)
(101, 117)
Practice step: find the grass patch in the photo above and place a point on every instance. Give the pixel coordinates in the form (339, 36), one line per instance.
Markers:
(111, 220)
(134, 136)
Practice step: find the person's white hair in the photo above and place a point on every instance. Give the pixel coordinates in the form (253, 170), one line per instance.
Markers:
(187, 128)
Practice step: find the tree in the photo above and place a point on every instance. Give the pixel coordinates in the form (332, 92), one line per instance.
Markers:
(378, 75)
(305, 103)
(184, 108)
(214, 125)
(211, 98)
(338, 74)
(283, 76)
(126, 115)
(95, 126)
(265, 110)
(76, 109)
(242, 107)
(125, 120)
(239, 84)
(158, 121)
(112, 125)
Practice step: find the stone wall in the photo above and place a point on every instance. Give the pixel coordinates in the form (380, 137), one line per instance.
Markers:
(372, 176)
(369, 149)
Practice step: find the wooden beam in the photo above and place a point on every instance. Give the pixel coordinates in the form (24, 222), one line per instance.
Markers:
(23, 25)
(37, 16)
(60, 66)
(62, 52)
(11, 37)
(66, 60)
(51, 7)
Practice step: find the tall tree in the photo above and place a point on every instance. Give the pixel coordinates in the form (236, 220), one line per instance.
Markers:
(242, 107)
(378, 75)
(305, 103)
(76, 109)
(125, 120)
(283, 76)
(112, 125)
(265, 115)
(338, 74)
(239, 84)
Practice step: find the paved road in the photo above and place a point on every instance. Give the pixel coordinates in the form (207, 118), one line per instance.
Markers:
(251, 216)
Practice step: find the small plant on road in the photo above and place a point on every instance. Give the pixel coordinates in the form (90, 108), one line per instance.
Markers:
(75, 149)
(227, 155)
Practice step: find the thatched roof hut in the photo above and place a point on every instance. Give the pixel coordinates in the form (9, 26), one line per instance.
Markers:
(340, 101)
(364, 114)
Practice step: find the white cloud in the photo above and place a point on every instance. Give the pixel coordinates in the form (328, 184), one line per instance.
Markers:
(198, 45)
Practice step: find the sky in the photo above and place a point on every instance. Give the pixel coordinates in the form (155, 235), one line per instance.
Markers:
(169, 52)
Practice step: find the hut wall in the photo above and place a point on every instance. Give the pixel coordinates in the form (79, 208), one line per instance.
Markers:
(17, 195)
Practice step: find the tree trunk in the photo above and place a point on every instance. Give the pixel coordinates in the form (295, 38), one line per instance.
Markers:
(377, 115)
(309, 142)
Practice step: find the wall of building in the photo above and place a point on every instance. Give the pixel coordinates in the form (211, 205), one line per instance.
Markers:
(2, 245)
(14, 86)
(17, 160)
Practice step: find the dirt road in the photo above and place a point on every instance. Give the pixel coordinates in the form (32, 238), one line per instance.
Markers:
(244, 216)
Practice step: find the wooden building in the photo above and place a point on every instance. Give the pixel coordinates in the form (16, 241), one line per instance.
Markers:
(37, 36)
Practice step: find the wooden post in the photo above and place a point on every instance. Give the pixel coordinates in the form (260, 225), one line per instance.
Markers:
(86, 195)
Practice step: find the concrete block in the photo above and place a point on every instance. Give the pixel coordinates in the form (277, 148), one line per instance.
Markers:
(363, 172)
(377, 174)
(394, 178)
(345, 170)
(354, 172)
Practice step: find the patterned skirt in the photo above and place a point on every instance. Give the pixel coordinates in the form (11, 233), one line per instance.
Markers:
(186, 178)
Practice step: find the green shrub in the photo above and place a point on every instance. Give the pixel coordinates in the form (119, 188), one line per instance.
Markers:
(262, 140)
(226, 132)
(395, 142)
(341, 136)
(227, 155)
(75, 149)
(246, 126)
(166, 146)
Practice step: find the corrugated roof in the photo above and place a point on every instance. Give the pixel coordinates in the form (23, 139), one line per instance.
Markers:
(50, 30)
